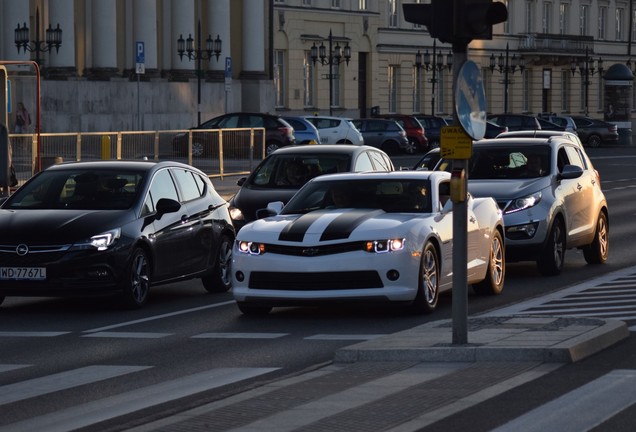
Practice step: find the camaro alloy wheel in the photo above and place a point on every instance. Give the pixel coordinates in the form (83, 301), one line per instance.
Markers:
(496, 272)
(136, 284)
(428, 290)
(597, 251)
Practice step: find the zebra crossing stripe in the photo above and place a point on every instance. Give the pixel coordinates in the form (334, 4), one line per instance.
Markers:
(239, 335)
(32, 333)
(344, 336)
(62, 381)
(582, 409)
(111, 407)
(10, 367)
(132, 335)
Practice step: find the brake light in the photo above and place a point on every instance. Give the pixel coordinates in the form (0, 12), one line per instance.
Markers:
(421, 131)
(613, 128)
(286, 131)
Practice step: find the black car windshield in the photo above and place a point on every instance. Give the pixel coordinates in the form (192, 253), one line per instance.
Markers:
(78, 189)
(509, 162)
(392, 196)
(293, 171)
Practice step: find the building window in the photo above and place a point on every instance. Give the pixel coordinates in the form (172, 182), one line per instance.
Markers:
(620, 14)
(393, 13)
(527, 76)
(565, 87)
(529, 16)
(393, 88)
(308, 81)
(279, 77)
(417, 90)
(306, 2)
(506, 24)
(335, 4)
(583, 20)
(362, 4)
(634, 25)
(440, 92)
(564, 16)
(547, 17)
(601, 93)
(335, 70)
(602, 22)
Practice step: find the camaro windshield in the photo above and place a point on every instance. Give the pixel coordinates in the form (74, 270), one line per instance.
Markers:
(392, 196)
(78, 189)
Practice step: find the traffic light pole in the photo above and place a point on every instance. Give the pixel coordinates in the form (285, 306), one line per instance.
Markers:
(460, 226)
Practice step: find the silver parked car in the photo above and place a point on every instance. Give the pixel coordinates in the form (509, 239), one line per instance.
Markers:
(550, 195)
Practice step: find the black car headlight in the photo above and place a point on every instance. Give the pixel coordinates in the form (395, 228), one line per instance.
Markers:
(252, 248)
(523, 203)
(100, 241)
(384, 246)
(236, 213)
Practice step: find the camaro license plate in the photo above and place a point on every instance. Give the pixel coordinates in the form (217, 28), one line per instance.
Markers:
(22, 273)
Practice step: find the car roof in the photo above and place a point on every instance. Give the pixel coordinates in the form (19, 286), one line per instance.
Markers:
(327, 117)
(522, 141)
(142, 165)
(324, 148)
(535, 133)
(388, 175)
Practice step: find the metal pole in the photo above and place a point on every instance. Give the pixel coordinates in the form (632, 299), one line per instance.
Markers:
(433, 79)
(330, 63)
(199, 72)
(506, 81)
(586, 76)
(37, 35)
(460, 226)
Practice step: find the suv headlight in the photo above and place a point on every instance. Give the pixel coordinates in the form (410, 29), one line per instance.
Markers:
(523, 203)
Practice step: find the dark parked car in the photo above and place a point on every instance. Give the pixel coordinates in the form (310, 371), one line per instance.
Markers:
(515, 121)
(594, 132)
(433, 127)
(387, 135)
(415, 132)
(278, 133)
(548, 125)
(493, 129)
(114, 227)
(428, 161)
(281, 174)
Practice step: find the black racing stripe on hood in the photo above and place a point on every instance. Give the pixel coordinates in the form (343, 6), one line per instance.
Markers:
(342, 226)
(295, 230)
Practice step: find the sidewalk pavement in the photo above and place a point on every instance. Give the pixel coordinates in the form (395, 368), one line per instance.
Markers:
(226, 186)
(408, 380)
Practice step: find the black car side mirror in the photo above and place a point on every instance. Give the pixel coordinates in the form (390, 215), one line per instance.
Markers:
(167, 205)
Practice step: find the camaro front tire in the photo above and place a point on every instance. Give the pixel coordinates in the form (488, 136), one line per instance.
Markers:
(428, 285)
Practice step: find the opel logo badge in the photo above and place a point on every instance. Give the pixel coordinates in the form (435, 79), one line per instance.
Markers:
(22, 249)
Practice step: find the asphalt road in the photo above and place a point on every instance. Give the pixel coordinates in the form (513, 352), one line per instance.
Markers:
(64, 356)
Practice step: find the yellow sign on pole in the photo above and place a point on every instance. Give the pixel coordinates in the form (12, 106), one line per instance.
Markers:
(455, 143)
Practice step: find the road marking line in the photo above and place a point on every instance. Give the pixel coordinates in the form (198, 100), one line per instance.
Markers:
(32, 333)
(62, 381)
(239, 335)
(132, 335)
(10, 367)
(582, 409)
(115, 406)
(344, 336)
(157, 317)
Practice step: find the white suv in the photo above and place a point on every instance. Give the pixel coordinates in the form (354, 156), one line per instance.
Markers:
(336, 130)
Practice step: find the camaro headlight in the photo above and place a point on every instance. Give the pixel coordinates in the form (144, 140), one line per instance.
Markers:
(251, 248)
(100, 241)
(523, 203)
(383, 246)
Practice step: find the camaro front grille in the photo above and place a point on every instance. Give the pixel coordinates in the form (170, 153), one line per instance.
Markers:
(315, 281)
(314, 250)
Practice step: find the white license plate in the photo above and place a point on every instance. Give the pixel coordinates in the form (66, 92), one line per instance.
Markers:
(22, 273)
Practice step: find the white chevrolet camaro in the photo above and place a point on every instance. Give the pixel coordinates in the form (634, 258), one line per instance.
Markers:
(365, 238)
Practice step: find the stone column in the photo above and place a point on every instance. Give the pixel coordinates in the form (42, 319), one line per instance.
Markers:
(219, 24)
(254, 38)
(145, 30)
(103, 43)
(12, 14)
(61, 63)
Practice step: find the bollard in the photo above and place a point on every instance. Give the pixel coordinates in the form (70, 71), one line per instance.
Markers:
(105, 147)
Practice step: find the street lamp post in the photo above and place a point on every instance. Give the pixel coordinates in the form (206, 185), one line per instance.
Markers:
(436, 65)
(53, 38)
(586, 69)
(186, 47)
(336, 56)
(507, 66)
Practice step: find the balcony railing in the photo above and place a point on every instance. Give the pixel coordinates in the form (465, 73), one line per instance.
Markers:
(545, 43)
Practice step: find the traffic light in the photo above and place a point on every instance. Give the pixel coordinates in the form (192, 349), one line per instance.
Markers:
(437, 17)
(457, 21)
(474, 19)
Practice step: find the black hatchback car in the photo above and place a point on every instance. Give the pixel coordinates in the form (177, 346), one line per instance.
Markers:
(594, 132)
(114, 227)
(278, 133)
